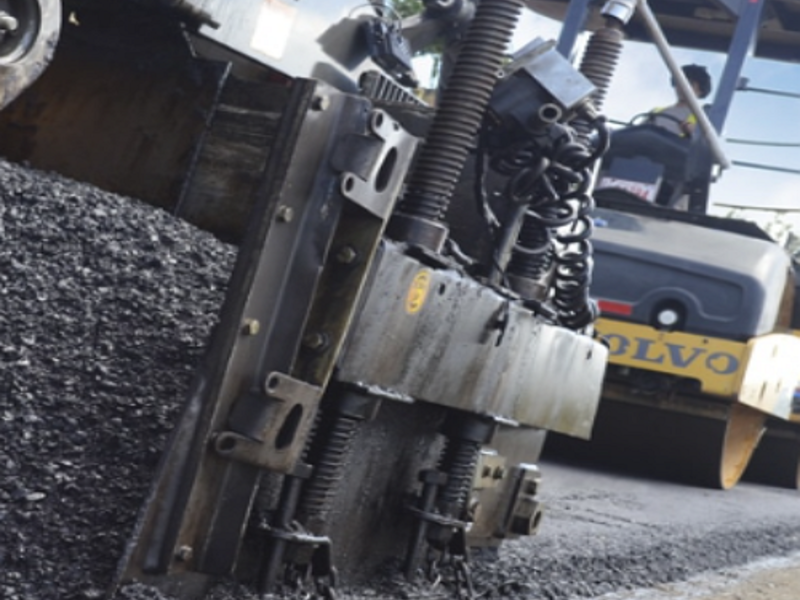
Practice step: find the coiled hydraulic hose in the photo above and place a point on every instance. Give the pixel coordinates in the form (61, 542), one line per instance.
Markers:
(421, 212)
(551, 183)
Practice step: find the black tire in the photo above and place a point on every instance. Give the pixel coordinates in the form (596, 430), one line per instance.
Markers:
(26, 52)
(777, 458)
(710, 452)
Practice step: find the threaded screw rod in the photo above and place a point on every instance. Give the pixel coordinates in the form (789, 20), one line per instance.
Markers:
(421, 212)
(601, 57)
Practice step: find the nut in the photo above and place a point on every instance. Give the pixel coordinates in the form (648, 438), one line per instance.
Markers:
(531, 487)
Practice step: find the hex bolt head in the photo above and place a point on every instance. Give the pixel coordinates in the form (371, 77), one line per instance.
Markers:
(284, 214)
(315, 341)
(251, 327)
(346, 255)
(320, 103)
(183, 553)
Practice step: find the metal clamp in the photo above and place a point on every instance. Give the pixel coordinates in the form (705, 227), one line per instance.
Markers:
(280, 444)
(375, 182)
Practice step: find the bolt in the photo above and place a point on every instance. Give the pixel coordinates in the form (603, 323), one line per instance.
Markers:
(320, 103)
(531, 487)
(184, 553)
(251, 327)
(284, 213)
(315, 341)
(7, 22)
(346, 255)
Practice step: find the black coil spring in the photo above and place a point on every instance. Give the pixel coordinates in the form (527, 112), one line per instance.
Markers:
(600, 60)
(534, 181)
(574, 262)
(533, 253)
(329, 459)
(558, 209)
(573, 273)
(463, 103)
(458, 461)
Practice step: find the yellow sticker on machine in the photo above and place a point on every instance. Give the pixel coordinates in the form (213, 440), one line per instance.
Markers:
(418, 291)
(714, 362)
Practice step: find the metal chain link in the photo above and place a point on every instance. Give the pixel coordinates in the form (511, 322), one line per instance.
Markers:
(462, 574)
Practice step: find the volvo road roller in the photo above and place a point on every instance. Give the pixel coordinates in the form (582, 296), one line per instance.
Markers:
(697, 311)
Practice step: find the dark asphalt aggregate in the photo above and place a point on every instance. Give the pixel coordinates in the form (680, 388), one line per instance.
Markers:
(105, 307)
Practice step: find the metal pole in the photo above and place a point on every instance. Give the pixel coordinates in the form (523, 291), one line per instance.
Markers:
(742, 43)
(574, 22)
(783, 94)
(683, 84)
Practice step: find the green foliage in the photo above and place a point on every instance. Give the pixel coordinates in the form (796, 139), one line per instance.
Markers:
(778, 227)
(406, 8)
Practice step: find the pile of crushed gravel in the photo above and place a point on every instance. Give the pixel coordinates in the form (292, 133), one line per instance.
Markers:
(105, 308)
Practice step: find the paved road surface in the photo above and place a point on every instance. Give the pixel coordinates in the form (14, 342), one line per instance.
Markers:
(770, 579)
(633, 536)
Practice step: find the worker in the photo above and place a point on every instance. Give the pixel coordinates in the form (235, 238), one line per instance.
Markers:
(679, 118)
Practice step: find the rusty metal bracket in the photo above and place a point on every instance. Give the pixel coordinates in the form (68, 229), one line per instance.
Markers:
(371, 189)
(281, 442)
(299, 275)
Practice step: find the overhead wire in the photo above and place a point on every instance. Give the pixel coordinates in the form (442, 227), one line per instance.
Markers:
(740, 141)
